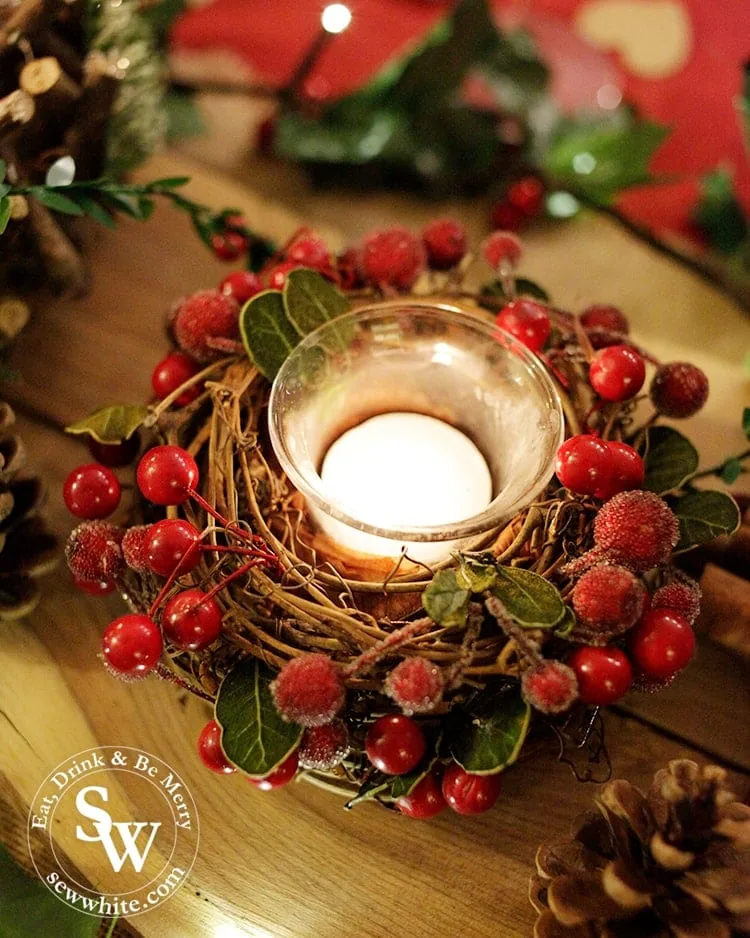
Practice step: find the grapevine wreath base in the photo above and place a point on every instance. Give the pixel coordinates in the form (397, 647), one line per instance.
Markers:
(387, 679)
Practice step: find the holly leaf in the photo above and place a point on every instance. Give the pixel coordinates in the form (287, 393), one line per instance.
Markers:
(268, 335)
(444, 601)
(55, 201)
(112, 424)
(311, 301)
(474, 574)
(254, 736)
(704, 516)
(528, 598)
(4, 213)
(670, 459)
(489, 737)
(746, 422)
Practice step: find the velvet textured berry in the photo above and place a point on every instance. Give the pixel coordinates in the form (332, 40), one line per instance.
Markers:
(132, 645)
(210, 751)
(309, 690)
(166, 474)
(279, 777)
(637, 529)
(549, 686)
(445, 241)
(583, 464)
(617, 373)
(469, 794)
(393, 257)
(626, 470)
(115, 455)
(173, 543)
(192, 620)
(172, 372)
(682, 596)
(415, 685)
(604, 675)
(607, 600)
(93, 552)
(528, 321)
(502, 249)
(324, 747)
(424, 801)
(228, 245)
(91, 491)
(662, 644)
(604, 317)
(679, 390)
(241, 285)
(202, 318)
(311, 252)
(134, 547)
(395, 744)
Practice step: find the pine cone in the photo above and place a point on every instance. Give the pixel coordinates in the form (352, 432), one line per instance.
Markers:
(27, 548)
(672, 864)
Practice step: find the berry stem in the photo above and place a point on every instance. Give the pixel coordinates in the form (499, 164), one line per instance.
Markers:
(369, 658)
(163, 672)
(527, 646)
(240, 571)
(167, 402)
(717, 469)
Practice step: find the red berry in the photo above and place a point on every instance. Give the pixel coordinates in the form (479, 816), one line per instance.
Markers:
(583, 464)
(91, 491)
(115, 454)
(348, 269)
(228, 245)
(607, 601)
(506, 217)
(310, 252)
(166, 474)
(502, 248)
(604, 674)
(607, 318)
(549, 686)
(682, 596)
(134, 547)
(192, 620)
(617, 373)
(679, 390)
(172, 544)
(93, 552)
(392, 258)
(202, 318)
(424, 801)
(662, 644)
(132, 645)
(467, 793)
(210, 751)
(324, 747)
(445, 241)
(395, 744)
(626, 470)
(415, 685)
(637, 529)
(528, 321)
(309, 690)
(277, 274)
(527, 195)
(285, 773)
(241, 285)
(171, 372)
(94, 587)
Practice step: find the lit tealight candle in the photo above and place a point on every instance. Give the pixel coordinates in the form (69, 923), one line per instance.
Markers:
(403, 470)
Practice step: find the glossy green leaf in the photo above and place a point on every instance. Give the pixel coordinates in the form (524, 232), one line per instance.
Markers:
(311, 301)
(52, 199)
(268, 335)
(170, 182)
(4, 213)
(528, 598)
(474, 574)
(670, 459)
(703, 516)
(112, 424)
(730, 471)
(94, 210)
(254, 736)
(444, 601)
(490, 736)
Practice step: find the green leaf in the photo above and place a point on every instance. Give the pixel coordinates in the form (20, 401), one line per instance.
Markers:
(112, 424)
(145, 207)
(566, 625)
(55, 201)
(719, 213)
(4, 213)
(730, 471)
(171, 182)
(746, 422)
(444, 601)
(704, 516)
(311, 301)
(4, 189)
(3, 169)
(254, 736)
(121, 202)
(377, 784)
(529, 599)
(524, 287)
(490, 736)
(268, 335)
(474, 574)
(670, 459)
(28, 907)
(92, 208)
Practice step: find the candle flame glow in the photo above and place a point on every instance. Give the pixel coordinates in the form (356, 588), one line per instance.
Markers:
(336, 18)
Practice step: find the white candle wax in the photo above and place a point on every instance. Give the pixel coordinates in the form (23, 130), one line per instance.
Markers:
(403, 470)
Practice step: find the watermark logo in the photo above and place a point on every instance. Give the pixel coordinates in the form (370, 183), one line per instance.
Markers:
(123, 819)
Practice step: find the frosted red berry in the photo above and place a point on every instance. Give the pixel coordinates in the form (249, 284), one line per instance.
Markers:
(467, 793)
(93, 552)
(115, 454)
(526, 194)
(309, 690)
(312, 252)
(94, 587)
(395, 744)
(192, 620)
(91, 491)
(549, 686)
(324, 747)
(528, 321)
(172, 372)
(132, 645)
(604, 675)
(203, 317)
(605, 317)
(583, 464)
(637, 529)
(682, 596)
(662, 644)
(173, 545)
(241, 285)
(424, 801)
(617, 373)
(415, 685)
(277, 275)
(210, 751)
(228, 245)
(166, 474)
(502, 248)
(445, 241)
(626, 470)
(679, 390)
(393, 257)
(608, 600)
(134, 547)
(280, 776)
(506, 217)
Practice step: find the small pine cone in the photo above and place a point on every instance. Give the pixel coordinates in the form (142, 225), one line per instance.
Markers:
(27, 549)
(674, 863)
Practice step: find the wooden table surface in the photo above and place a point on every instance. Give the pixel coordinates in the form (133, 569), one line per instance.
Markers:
(292, 862)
